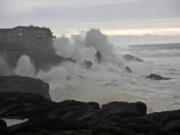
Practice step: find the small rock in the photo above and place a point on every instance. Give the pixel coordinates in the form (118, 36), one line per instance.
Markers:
(157, 77)
(128, 57)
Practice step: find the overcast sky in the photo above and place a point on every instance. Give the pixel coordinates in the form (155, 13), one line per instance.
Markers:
(113, 17)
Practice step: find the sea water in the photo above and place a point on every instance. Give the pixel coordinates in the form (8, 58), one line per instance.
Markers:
(109, 81)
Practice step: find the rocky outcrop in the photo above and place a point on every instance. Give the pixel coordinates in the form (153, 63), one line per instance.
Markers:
(35, 42)
(28, 105)
(128, 58)
(84, 118)
(114, 126)
(24, 85)
(157, 77)
(42, 60)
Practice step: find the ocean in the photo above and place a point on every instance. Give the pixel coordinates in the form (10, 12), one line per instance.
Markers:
(108, 79)
(161, 59)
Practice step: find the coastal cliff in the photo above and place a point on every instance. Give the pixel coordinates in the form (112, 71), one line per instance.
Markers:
(35, 42)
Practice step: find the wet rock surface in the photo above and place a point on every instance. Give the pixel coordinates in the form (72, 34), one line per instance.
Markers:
(24, 85)
(83, 118)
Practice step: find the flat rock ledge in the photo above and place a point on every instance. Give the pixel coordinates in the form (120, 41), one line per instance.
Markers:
(22, 84)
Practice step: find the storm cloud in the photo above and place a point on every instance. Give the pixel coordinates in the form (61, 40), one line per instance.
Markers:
(70, 16)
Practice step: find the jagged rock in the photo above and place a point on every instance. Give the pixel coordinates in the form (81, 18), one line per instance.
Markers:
(74, 110)
(157, 77)
(24, 85)
(128, 57)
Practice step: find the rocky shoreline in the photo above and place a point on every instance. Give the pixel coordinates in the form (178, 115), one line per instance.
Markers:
(71, 117)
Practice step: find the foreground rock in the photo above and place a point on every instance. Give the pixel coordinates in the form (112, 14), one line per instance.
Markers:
(28, 105)
(24, 85)
(84, 118)
(157, 77)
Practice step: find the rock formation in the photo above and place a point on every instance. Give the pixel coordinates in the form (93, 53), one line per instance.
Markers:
(24, 85)
(82, 118)
(157, 77)
(128, 57)
(35, 42)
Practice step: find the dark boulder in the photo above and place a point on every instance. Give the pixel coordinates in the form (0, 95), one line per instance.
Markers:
(24, 85)
(74, 110)
(113, 109)
(157, 77)
(125, 109)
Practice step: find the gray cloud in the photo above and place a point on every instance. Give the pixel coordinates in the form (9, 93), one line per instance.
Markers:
(102, 10)
(62, 14)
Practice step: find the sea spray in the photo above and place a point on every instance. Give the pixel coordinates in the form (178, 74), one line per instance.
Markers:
(71, 80)
(25, 67)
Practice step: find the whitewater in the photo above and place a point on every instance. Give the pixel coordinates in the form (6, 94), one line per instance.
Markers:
(100, 72)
